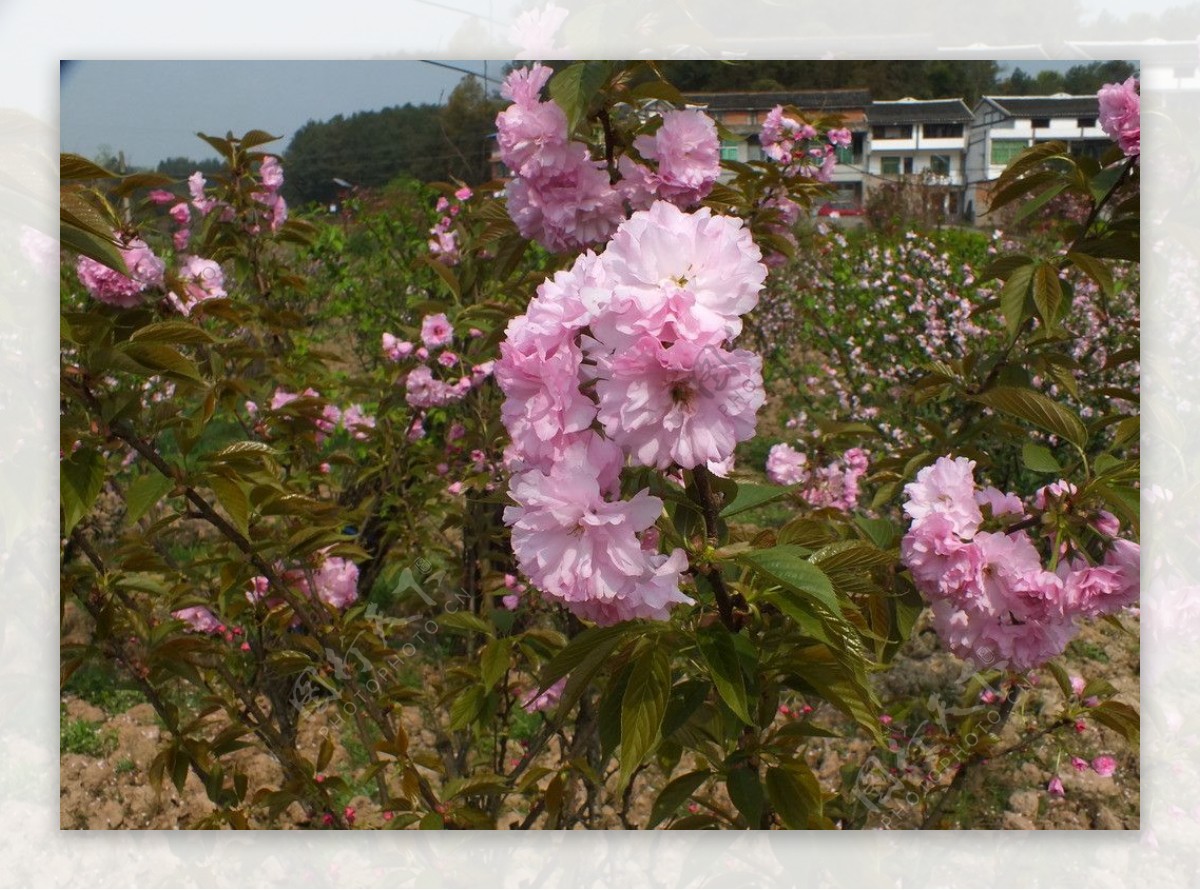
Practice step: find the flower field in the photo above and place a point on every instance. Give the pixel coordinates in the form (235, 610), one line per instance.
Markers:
(620, 491)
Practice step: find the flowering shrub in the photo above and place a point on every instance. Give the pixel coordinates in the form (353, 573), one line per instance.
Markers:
(994, 601)
(504, 514)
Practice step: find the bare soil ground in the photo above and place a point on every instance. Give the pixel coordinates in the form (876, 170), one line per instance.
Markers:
(111, 789)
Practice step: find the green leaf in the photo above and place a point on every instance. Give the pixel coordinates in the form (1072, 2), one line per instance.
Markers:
(574, 88)
(467, 622)
(658, 89)
(750, 495)
(493, 661)
(1037, 409)
(1003, 267)
(788, 566)
(603, 639)
(102, 250)
(143, 493)
(72, 166)
(233, 498)
(685, 699)
(447, 275)
(608, 716)
(675, 794)
(1062, 677)
(1014, 297)
(643, 707)
(162, 358)
(81, 476)
(467, 707)
(1113, 246)
(1120, 718)
(881, 532)
(1048, 293)
(287, 661)
(717, 648)
(1008, 189)
(171, 332)
(794, 793)
(1128, 430)
(746, 792)
(1040, 459)
(1093, 269)
(222, 146)
(255, 138)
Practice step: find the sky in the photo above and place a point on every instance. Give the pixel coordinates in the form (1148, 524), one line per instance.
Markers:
(151, 110)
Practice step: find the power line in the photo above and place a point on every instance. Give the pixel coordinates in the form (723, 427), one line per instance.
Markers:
(484, 75)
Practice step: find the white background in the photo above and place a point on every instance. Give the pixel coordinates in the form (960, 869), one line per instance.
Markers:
(33, 37)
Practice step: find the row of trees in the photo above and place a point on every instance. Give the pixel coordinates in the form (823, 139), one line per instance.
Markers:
(895, 79)
(434, 143)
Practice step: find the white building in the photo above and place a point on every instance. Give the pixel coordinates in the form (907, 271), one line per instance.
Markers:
(911, 137)
(1004, 126)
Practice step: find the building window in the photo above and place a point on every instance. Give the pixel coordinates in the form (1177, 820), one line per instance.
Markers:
(1085, 122)
(908, 166)
(1004, 150)
(889, 166)
(892, 131)
(943, 131)
(1039, 123)
(729, 151)
(845, 154)
(939, 165)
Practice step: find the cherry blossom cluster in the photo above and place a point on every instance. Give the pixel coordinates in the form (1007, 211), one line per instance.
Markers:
(455, 379)
(443, 241)
(334, 581)
(116, 289)
(544, 701)
(883, 311)
(563, 198)
(1121, 115)
(625, 357)
(994, 602)
(354, 419)
(835, 485)
(800, 147)
(275, 210)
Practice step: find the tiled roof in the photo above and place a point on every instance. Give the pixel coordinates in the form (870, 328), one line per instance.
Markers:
(807, 100)
(933, 111)
(1047, 106)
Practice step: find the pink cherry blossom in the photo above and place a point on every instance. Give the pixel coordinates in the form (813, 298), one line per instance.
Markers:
(1056, 787)
(335, 582)
(676, 275)
(200, 201)
(1104, 765)
(271, 173)
(684, 404)
(202, 279)
(199, 619)
(112, 287)
(545, 700)
(583, 550)
(181, 213)
(436, 330)
(1120, 114)
(946, 487)
(786, 465)
(687, 151)
(358, 422)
